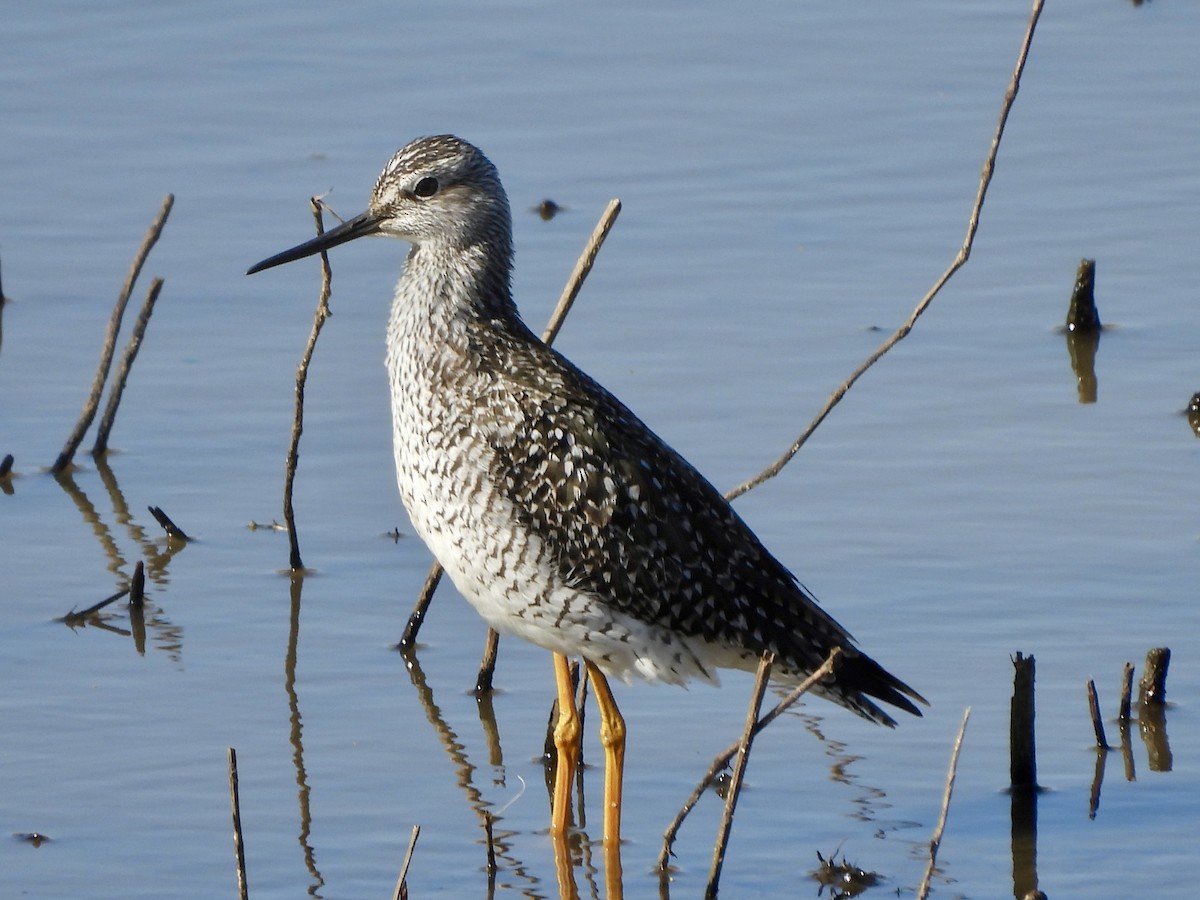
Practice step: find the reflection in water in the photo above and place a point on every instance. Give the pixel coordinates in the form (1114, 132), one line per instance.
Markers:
(1024, 841)
(296, 736)
(1152, 726)
(167, 636)
(1081, 348)
(501, 839)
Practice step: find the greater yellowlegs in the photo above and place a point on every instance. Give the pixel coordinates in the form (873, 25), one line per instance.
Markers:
(555, 511)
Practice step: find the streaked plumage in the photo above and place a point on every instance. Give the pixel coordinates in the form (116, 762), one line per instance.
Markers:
(555, 511)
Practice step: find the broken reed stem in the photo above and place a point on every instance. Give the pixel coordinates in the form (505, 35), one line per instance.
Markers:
(936, 841)
(1123, 714)
(73, 617)
(488, 830)
(739, 772)
(110, 339)
(1094, 709)
(722, 759)
(238, 845)
(131, 351)
(322, 313)
(565, 301)
(137, 586)
(401, 888)
(960, 260)
(1154, 677)
(174, 532)
(487, 664)
(1022, 747)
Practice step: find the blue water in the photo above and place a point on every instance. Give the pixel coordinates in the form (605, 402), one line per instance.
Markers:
(794, 178)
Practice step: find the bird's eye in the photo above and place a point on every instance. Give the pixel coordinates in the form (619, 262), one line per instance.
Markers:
(426, 187)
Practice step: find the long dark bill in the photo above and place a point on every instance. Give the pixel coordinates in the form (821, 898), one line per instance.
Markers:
(360, 226)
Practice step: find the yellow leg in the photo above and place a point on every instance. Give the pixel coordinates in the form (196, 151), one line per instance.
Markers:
(612, 738)
(566, 745)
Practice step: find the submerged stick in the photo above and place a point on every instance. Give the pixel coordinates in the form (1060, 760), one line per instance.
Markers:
(239, 850)
(322, 313)
(739, 772)
(936, 841)
(75, 618)
(174, 532)
(1081, 311)
(122, 375)
(1154, 677)
(565, 301)
(1022, 753)
(1094, 709)
(1123, 714)
(960, 260)
(137, 586)
(110, 339)
(401, 887)
(722, 759)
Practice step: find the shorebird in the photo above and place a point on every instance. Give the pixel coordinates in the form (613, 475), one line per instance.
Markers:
(557, 513)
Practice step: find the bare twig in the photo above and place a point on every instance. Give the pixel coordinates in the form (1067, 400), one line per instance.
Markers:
(110, 339)
(960, 260)
(238, 846)
(323, 312)
(722, 759)
(137, 586)
(1126, 693)
(739, 772)
(1097, 724)
(565, 301)
(75, 618)
(401, 887)
(131, 351)
(174, 532)
(936, 841)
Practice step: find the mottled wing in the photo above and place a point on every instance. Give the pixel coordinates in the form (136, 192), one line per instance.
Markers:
(634, 523)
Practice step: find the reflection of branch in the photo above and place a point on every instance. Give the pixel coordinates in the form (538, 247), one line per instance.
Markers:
(960, 260)
(501, 840)
(296, 734)
(723, 758)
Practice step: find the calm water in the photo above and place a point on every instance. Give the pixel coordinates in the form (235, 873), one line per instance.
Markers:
(794, 176)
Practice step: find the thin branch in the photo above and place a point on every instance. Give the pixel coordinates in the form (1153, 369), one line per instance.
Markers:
(936, 840)
(110, 339)
(238, 845)
(131, 351)
(1097, 724)
(402, 888)
(739, 771)
(722, 759)
(322, 313)
(964, 253)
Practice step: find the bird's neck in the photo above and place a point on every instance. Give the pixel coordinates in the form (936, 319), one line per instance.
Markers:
(448, 299)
